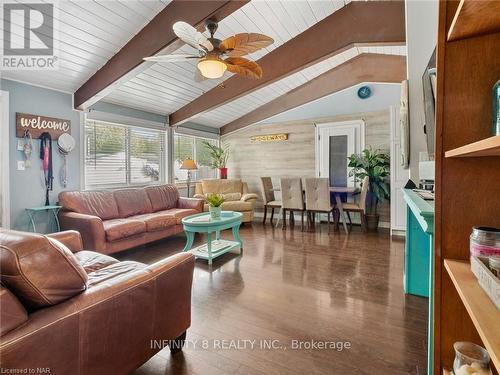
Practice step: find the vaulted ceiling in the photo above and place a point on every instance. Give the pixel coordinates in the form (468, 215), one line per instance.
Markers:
(102, 42)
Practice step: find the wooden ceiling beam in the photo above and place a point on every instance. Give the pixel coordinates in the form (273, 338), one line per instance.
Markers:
(156, 36)
(357, 23)
(363, 68)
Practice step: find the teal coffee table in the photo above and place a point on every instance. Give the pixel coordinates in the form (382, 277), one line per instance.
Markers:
(203, 223)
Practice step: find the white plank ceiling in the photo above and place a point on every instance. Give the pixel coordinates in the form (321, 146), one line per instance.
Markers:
(231, 111)
(89, 34)
(164, 88)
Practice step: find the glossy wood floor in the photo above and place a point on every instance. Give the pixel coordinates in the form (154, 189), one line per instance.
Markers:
(298, 286)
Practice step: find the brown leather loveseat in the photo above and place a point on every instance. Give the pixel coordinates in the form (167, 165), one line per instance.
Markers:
(114, 220)
(67, 311)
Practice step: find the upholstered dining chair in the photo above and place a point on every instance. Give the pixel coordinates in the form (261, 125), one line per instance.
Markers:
(292, 199)
(359, 207)
(318, 199)
(269, 198)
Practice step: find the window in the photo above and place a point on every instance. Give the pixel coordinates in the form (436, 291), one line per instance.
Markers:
(120, 155)
(186, 146)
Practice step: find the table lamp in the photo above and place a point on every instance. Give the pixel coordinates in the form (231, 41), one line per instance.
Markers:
(190, 165)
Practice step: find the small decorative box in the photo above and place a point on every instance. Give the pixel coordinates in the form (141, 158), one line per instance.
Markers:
(489, 282)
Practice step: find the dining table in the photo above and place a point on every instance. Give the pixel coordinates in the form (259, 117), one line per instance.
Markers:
(337, 191)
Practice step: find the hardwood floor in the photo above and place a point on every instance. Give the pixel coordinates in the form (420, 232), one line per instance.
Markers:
(301, 286)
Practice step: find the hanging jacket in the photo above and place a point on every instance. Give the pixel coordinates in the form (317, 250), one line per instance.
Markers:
(46, 157)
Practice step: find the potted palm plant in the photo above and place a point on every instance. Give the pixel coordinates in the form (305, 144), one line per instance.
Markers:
(375, 165)
(214, 202)
(219, 157)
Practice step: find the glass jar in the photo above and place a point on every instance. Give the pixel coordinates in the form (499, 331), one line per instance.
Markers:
(470, 359)
(485, 241)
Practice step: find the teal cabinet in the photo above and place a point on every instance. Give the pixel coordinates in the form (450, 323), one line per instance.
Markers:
(419, 257)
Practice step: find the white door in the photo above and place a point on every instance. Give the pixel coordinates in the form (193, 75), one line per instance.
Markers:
(399, 176)
(4, 160)
(335, 142)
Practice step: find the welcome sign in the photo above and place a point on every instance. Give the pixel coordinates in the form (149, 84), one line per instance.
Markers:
(36, 125)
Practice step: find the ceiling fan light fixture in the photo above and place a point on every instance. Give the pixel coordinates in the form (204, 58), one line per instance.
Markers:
(212, 67)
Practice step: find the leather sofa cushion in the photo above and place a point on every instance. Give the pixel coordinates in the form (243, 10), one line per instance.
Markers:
(163, 197)
(40, 271)
(12, 313)
(118, 229)
(222, 186)
(157, 221)
(114, 272)
(92, 261)
(179, 213)
(238, 206)
(96, 203)
(132, 202)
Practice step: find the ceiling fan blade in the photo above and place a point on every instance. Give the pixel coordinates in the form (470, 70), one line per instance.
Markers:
(170, 58)
(189, 35)
(244, 67)
(198, 77)
(244, 43)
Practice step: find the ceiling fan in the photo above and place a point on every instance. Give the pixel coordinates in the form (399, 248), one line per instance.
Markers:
(215, 56)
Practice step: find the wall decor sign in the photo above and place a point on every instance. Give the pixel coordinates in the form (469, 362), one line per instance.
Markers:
(36, 125)
(269, 138)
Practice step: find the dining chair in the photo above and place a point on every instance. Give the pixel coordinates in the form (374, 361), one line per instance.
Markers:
(292, 199)
(318, 199)
(268, 197)
(359, 207)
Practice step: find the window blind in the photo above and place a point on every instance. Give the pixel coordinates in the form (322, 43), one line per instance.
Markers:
(121, 155)
(186, 146)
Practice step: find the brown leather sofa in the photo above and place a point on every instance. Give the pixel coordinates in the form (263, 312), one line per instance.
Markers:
(70, 311)
(114, 220)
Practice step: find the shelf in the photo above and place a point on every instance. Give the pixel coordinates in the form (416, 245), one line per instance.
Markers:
(474, 18)
(483, 312)
(486, 147)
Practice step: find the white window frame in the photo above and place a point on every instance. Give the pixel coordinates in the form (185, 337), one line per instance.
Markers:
(164, 155)
(194, 137)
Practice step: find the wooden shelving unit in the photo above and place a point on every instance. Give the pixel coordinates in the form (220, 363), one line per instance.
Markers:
(484, 314)
(466, 191)
(486, 147)
(473, 18)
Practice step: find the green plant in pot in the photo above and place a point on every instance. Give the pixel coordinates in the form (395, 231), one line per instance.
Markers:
(214, 202)
(375, 165)
(219, 157)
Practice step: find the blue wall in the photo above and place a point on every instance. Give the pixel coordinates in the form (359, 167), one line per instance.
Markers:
(27, 188)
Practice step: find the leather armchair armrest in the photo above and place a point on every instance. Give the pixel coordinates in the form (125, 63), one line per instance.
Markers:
(90, 227)
(194, 203)
(12, 312)
(249, 197)
(70, 238)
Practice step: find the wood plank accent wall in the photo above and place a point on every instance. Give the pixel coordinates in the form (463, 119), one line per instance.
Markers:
(296, 156)
(467, 189)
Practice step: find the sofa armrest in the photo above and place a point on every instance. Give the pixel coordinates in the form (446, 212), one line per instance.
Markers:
(193, 203)
(90, 227)
(249, 197)
(199, 196)
(70, 238)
